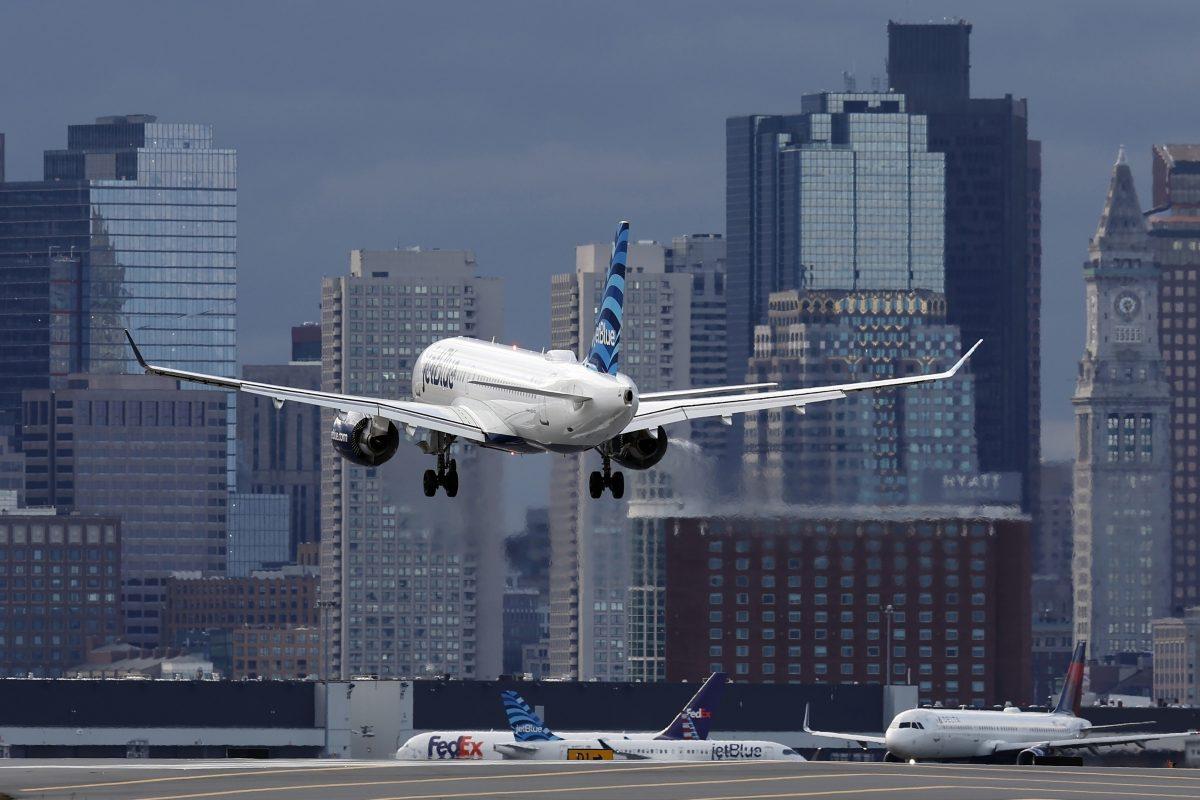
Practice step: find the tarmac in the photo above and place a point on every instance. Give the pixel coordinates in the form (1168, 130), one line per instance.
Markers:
(377, 780)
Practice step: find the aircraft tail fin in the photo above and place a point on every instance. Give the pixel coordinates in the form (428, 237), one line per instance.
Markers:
(1072, 691)
(606, 340)
(526, 725)
(694, 721)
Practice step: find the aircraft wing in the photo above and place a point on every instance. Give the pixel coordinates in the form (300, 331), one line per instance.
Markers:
(654, 412)
(1091, 741)
(515, 749)
(447, 419)
(623, 753)
(861, 739)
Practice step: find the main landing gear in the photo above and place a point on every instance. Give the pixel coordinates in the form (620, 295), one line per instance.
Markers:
(446, 475)
(605, 478)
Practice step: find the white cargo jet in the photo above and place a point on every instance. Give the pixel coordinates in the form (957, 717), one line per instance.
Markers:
(522, 401)
(691, 723)
(1023, 737)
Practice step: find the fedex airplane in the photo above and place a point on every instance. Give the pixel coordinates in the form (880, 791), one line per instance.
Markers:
(522, 401)
(533, 741)
(1011, 735)
(692, 723)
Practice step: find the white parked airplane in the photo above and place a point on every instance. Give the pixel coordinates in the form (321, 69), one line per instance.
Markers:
(1022, 736)
(691, 723)
(533, 741)
(522, 401)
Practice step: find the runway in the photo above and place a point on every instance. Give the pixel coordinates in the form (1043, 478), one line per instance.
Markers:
(376, 780)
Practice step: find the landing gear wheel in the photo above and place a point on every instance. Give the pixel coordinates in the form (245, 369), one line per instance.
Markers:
(596, 485)
(450, 481)
(429, 482)
(616, 482)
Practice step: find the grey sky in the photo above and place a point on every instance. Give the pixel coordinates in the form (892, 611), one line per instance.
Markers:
(521, 129)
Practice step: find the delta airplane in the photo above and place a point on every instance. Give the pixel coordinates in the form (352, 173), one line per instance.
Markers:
(692, 722)
(521, 401)
(534, 741)
(1012, 735)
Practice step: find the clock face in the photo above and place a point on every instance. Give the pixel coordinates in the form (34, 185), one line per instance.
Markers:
(1127, 305)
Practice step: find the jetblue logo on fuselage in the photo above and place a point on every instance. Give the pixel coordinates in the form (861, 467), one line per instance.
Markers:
(723, 752)
(462, 747)
(441, 370)
(604, 335)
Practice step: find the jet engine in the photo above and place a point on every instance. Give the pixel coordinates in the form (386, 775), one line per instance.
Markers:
(637, 450)
(354, 440)
(1030, 756)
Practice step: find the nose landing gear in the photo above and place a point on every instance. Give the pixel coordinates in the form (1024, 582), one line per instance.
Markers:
(605, 478)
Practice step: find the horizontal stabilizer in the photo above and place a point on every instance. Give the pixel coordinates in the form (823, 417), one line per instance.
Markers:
(578, 398)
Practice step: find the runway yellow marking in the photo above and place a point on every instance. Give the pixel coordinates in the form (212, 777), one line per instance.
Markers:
(494, 777)
(247, 771)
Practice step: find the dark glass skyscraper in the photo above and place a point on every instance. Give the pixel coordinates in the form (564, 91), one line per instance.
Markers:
(134, 226)
(992, 219)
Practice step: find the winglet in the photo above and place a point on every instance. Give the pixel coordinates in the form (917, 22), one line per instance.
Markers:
(136, 353)
(963, 360)
(804, 726)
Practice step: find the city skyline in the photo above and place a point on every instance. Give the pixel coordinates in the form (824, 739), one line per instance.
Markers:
(385, 177)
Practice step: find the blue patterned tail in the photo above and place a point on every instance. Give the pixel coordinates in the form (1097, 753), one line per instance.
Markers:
(526, 725)
(606, 341)
(694, 721)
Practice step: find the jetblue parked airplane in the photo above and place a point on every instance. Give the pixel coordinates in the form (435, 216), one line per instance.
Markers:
(534, 741)
(692, 722)
(522, 401)
(1011, 734)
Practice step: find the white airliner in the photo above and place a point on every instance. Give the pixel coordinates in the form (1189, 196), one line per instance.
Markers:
(533, 741)
(522, 401)
(691, 723)
(938, 734)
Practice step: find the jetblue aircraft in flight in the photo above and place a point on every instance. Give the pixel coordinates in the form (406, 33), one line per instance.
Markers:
(522, 401)
(942, 734)
(534, 741)
(692, 722)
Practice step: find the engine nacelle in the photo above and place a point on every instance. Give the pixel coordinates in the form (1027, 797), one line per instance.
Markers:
(637, 450)
(1030, 756)
(352, 439)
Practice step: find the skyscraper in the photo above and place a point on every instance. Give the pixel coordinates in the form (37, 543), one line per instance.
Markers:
(1175, 236)
(674, 302)
(410, 585)
(1122, 542)
(134, 226)
(992, 235)
(139, 449)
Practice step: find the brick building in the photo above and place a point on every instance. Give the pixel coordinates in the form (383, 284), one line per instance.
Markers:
(275, 653)
(815, 595)
(282, 598)
(60, 580)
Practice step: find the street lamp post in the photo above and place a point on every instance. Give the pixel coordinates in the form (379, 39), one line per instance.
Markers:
(888, 611)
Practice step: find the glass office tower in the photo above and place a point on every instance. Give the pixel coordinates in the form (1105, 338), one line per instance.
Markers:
(134, 226)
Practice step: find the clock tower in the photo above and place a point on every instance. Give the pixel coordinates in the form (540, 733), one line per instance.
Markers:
(1122, 559)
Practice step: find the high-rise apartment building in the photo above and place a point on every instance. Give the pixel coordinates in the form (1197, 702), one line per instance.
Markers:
(1175, 235)
(410, 585)
(1176, 657)
(1053, 534)
(259, 533)
(140, 449)
(932, 596)
(133, 227)
(279, 449)
(1122, 499)
(674, 300)
(992, 234)
(60, 583)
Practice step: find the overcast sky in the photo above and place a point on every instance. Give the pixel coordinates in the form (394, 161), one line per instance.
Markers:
(518, 130)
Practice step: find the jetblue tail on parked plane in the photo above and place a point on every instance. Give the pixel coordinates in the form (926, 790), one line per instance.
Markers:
(695, 719)
(1072, 691)
(526, 725)
(606, 341)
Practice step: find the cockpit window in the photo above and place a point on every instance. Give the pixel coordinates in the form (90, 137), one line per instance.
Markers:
(787, 751)
(918, 725)
(905, 725)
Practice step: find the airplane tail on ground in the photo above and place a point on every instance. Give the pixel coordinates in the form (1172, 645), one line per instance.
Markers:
(694, 721)
(606, 341)
(1072, 691)
(526, 725)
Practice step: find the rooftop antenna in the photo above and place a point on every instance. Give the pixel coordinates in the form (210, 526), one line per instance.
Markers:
(848, 81)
